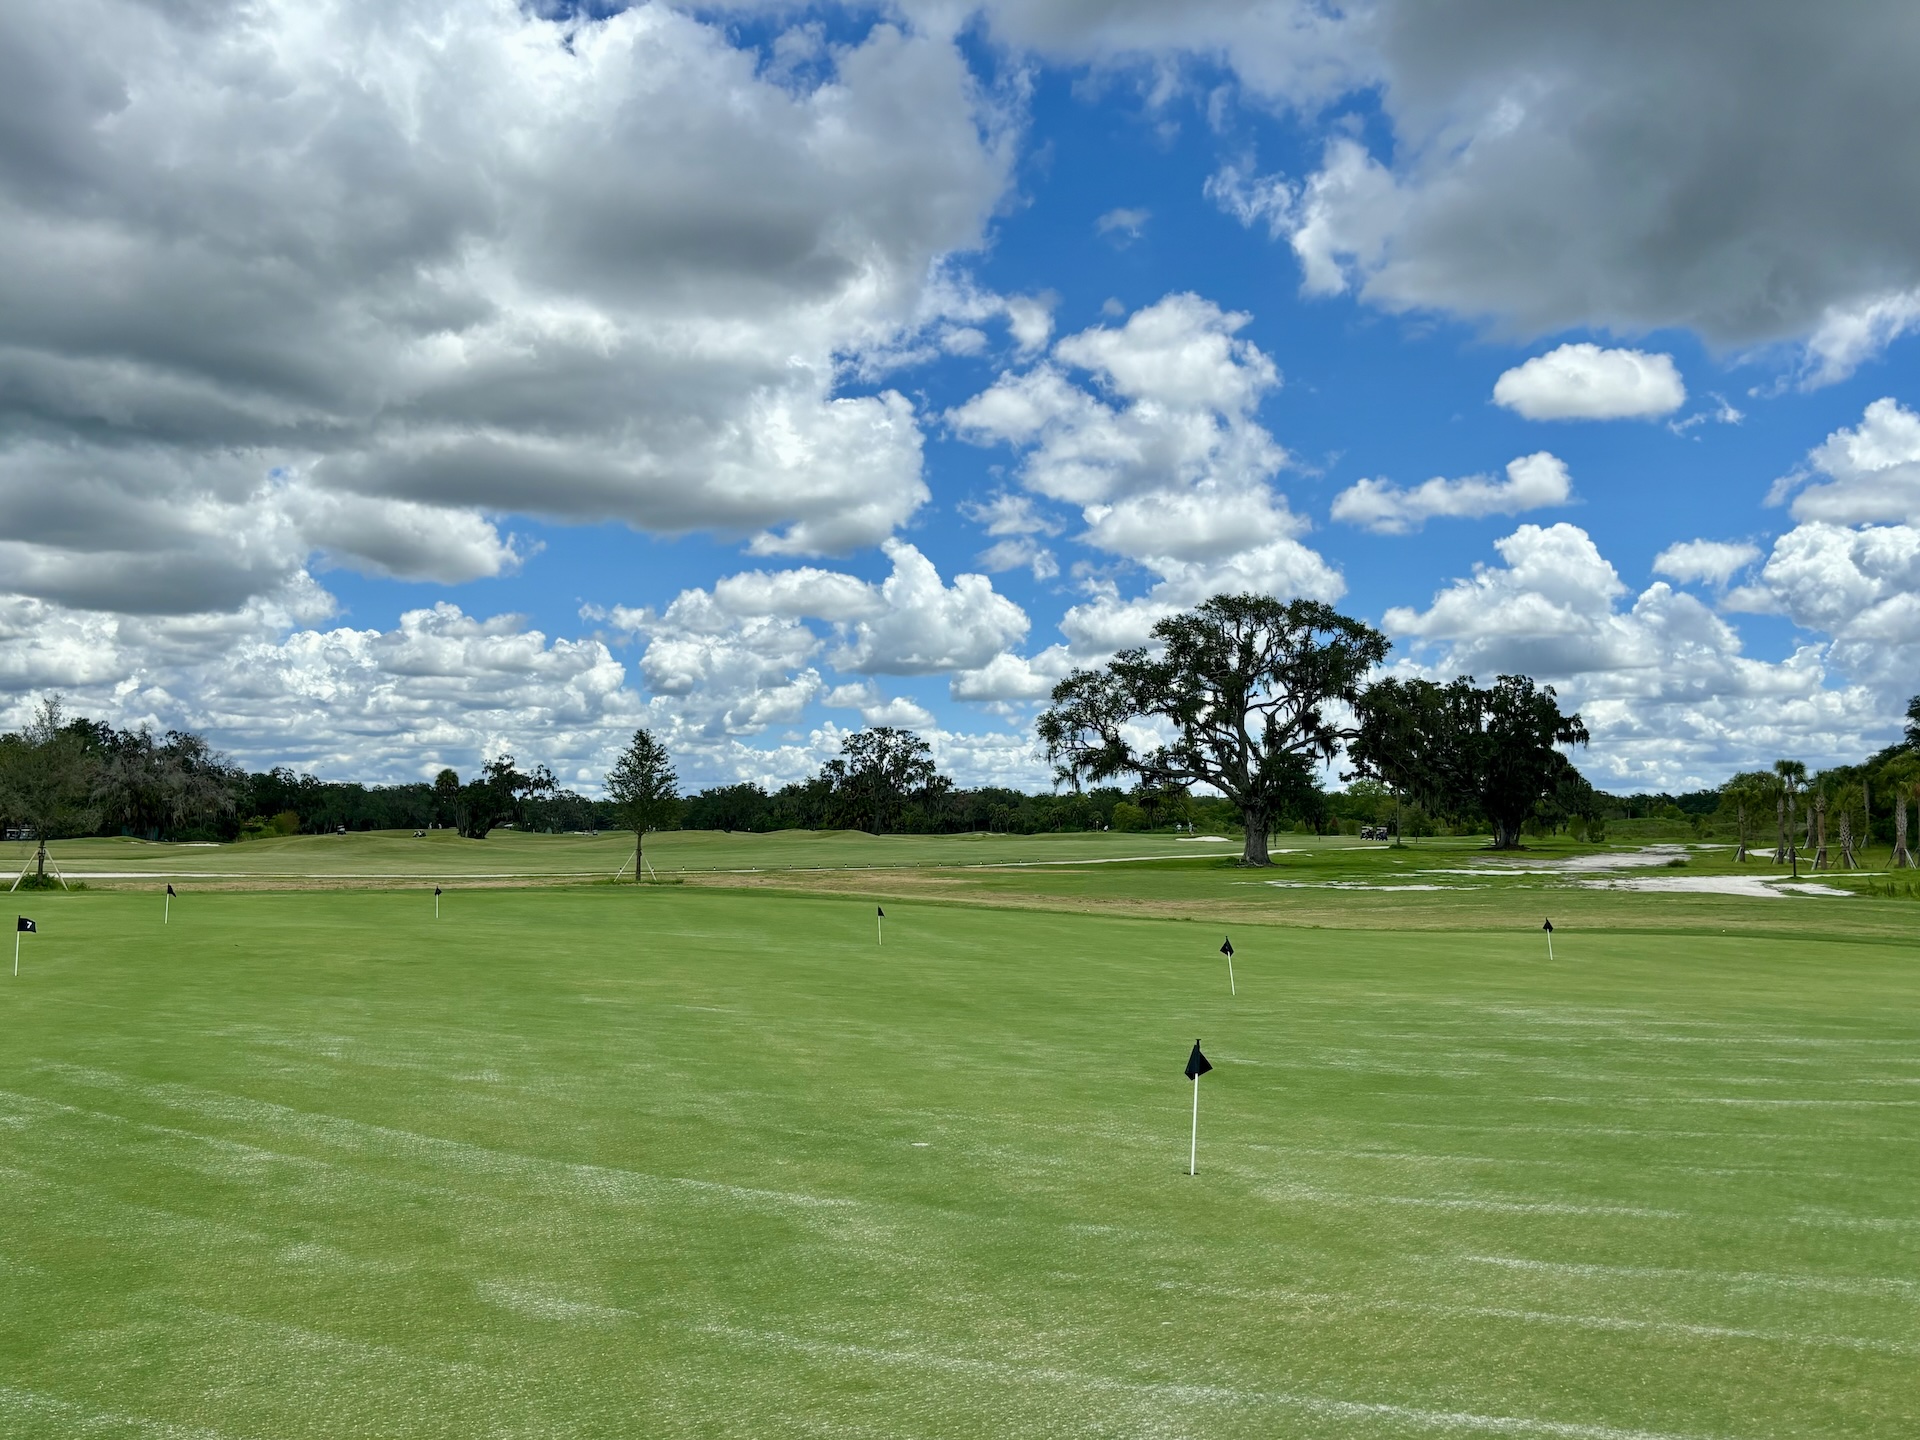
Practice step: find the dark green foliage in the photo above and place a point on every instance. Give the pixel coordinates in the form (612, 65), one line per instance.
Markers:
(1247, 684)
(1458, 750)
(498, 796)
(879, 774)
(644, 790)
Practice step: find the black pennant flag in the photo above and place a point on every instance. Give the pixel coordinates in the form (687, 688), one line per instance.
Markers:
(1226, 948)
(879, 913)
(1548, 927)
(27, 926)
(170, 892)
(436, 892)
(1197, 1064)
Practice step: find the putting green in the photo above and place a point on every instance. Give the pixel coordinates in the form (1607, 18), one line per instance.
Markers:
(692, 1161)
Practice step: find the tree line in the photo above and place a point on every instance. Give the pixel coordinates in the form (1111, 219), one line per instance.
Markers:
(1247, 697)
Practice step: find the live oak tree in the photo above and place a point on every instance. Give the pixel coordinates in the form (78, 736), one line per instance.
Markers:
(497, 795)
(1251, 689)
(1457, 748)
(644, 790)
(1518, 762)
(878, 773)
(1410, 738)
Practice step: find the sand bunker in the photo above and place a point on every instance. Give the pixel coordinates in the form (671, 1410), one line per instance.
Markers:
(1751, 885)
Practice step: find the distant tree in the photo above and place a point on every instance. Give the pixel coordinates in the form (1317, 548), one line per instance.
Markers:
(879, 773)
(1748, 794)
(1452, 748)
(1249, 686)
(744, 806)
(1790, 778)
(1411, 739)
(644, 790)
(1517, 762)
(446, 797)
(1913, 723)
(48, 775)
(496, 796)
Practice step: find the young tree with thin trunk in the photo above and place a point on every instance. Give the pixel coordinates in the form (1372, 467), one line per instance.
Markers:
(644, 790)
(1248, 686)
(1902, 856)
(1748, 793)
(48, 773)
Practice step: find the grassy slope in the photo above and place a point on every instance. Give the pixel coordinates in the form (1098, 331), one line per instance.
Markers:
(595, 1162)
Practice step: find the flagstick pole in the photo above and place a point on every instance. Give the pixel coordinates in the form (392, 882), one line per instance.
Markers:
(1549, 946)
(1193, 1146)
(1232, 988)
(166, 915)
(16, 954)
(880, 930)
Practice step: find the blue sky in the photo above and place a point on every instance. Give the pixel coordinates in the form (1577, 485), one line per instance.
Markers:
(400, 404)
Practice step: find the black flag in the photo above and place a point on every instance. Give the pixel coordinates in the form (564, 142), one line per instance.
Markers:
(1548, 927)
(27, 926)
(436, 892)
(1226, 948)
(879, 913)
(170, 892)
(1197, 1064)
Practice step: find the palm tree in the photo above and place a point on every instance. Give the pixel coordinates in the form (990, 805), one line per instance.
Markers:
(1792, 777)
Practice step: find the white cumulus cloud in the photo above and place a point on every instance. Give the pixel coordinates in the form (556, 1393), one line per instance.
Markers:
(1872, 470)
(1533, 482)
(1586, 382)
(1160, 448)
(1715, 561)
(1661, 680)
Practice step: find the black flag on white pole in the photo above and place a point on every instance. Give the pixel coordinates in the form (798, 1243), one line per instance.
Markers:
(166, 906)
(1548, 927)
(1197, 1065)
(1226, 949)
(436, 902)
(880, 924)
(23, 926)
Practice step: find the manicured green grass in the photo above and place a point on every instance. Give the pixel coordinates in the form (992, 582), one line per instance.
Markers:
(689, 1161)
(441, 854)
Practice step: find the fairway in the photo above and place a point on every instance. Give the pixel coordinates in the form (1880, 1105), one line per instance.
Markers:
(687, 1161)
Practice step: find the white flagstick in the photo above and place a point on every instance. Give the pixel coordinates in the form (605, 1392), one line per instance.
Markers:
(166, 915)
(1193, 1146)
(1232, 989)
